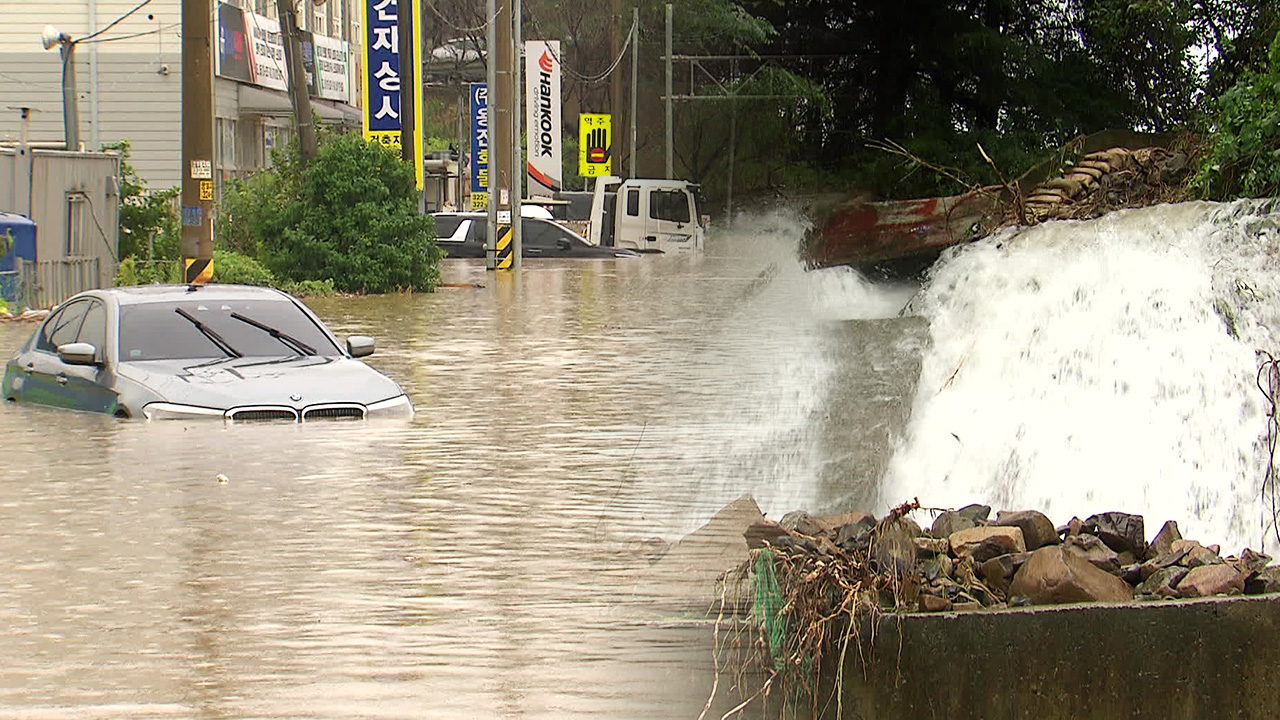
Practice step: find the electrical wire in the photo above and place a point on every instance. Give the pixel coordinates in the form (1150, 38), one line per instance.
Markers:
(459, 28)
(93, 213)
(131, 36)
(584, 78)
(115, 22)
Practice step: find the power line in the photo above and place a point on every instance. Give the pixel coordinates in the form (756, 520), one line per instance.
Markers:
(569, 71)
(115, 22)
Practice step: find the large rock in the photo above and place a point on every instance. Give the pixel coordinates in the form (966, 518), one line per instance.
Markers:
(949, 523)
(1195, 554)
(801, 522)
(1266, 581)
(1037, 528)
(1162, 543)
(1209, 580)
(1250, 563)
(1095, 551)
(975, 512)
(1162, 584)
(1055, 575)
(832, 523)
(990, 538)
(998, 572)
(1120, 531)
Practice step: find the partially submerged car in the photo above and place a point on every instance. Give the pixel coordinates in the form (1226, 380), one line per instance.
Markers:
(198, 351)
(465, 234)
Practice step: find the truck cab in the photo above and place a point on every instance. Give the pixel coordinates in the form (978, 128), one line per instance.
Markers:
(646, 216)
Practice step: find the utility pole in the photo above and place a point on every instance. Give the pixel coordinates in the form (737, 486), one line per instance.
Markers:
(70, 99)
(491, 84)
(517, 154)
(408, 93)
(197, 141)
(635, 83)
(670, 163)
(501, 147)
(303, 121)
(615, 78)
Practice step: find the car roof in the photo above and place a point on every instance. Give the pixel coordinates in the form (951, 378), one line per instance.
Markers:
(141, 294)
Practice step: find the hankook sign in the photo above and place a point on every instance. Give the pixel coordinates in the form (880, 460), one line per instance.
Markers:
(542, 93)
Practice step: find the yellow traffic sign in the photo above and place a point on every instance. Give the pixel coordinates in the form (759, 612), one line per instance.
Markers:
(595, 145)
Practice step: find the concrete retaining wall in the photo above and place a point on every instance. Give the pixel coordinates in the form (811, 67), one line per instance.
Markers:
(1212, 658)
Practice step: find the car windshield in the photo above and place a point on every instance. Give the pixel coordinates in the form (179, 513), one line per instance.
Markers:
(158, 331)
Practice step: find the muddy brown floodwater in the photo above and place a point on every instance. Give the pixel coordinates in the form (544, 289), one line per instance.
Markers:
(463, 564)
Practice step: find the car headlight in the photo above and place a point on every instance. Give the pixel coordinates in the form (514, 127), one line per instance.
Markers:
(173, 411)
(398, 406)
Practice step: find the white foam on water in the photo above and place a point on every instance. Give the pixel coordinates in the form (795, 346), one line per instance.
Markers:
(1082, 367)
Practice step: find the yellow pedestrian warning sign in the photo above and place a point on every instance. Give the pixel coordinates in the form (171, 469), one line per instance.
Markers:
(595, 145)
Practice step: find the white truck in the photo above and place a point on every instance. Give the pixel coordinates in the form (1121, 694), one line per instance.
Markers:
(647, 216)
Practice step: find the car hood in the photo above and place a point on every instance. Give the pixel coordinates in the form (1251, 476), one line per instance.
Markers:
(296, 382)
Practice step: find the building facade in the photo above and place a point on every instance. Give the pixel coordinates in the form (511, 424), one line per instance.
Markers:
(129, 77)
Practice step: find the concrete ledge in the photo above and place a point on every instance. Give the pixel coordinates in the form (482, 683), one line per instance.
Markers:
(1210, 658)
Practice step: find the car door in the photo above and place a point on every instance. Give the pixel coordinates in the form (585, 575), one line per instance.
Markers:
(45, 379)
(538, 238)
(91, 387)
(669, 222)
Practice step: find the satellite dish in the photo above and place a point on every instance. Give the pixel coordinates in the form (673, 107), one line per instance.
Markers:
(49, 37)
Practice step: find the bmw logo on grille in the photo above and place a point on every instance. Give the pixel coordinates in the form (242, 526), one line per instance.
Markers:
(295, 397)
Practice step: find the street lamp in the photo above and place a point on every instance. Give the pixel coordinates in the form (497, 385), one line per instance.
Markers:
(50, 37)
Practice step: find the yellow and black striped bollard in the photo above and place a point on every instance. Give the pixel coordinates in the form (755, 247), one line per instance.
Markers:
(505, 249)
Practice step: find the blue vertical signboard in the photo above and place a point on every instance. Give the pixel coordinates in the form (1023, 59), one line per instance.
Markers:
(479, 146)
(381, 76)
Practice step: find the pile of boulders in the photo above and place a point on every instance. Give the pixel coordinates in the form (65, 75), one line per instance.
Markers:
(967, 560)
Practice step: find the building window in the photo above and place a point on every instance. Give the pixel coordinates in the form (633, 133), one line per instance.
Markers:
(77, 223)
(227, 147)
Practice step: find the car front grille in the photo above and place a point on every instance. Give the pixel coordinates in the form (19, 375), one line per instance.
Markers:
(333, 412)
(262, 414)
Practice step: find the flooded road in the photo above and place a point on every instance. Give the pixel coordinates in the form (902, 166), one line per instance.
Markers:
(466, 564)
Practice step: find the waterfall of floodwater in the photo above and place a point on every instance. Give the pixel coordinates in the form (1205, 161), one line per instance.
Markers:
(1111, 364)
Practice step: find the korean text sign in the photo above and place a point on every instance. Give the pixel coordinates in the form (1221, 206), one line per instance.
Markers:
(381, 79)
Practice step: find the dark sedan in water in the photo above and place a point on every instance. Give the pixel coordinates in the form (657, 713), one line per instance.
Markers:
(201, 351)
(464, 235)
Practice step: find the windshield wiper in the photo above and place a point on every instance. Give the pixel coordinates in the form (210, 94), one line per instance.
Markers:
(286, 339)
(210, 333)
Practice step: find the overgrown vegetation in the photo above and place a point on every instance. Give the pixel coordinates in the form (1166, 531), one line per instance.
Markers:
(350, 217)
(1243, 154)
(348, 222)
(149, 224)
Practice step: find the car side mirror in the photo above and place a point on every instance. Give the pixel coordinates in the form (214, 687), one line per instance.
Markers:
(78, 354)
(564, 244)
(359, 346)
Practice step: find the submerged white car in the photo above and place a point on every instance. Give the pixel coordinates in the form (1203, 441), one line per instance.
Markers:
(198, 351)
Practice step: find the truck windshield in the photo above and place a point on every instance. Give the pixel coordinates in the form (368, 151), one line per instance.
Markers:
(670, 205)
(156, 331)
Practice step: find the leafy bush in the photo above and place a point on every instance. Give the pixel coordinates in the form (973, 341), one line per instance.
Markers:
(236, 269)
(351, 215)
(133, 271)
(310, 288)
(149, 223)
(1243, 159)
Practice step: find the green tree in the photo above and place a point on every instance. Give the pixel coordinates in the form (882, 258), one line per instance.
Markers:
(351, 215)
(149, 223)
(1243, 158)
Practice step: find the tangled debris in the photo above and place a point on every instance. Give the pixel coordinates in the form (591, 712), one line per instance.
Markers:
(820, 584)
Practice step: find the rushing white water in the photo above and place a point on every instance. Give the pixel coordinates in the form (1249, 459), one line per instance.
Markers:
(1082, 367)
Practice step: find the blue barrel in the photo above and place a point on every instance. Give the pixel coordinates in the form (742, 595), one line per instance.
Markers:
(17, 240)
